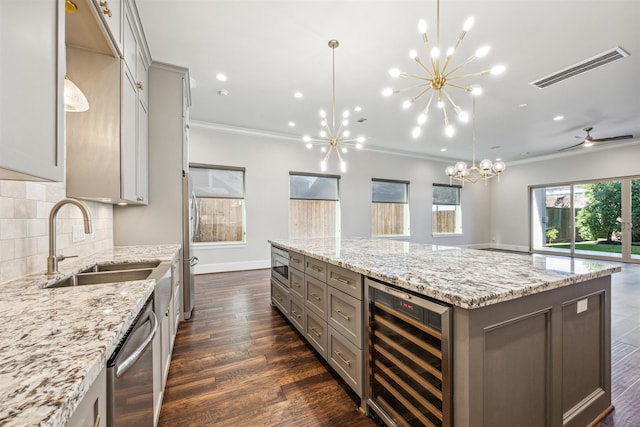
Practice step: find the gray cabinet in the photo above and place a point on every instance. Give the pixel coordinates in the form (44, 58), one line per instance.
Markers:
(114, 167)
(92, 409)
(31, 105)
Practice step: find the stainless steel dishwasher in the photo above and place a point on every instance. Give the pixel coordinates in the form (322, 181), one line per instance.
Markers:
(408, 382)
(130, 374)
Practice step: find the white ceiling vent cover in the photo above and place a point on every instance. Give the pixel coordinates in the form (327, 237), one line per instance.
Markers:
(581, 67)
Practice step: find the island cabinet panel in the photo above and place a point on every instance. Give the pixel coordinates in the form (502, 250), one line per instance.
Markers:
(296, 283)
(297, 312)
(316, 296)
(347, 281)
(296, 261)
(345, 315)
(346, 359)
(316, 333)
(280, 297)
(315, 268)
(542, 360)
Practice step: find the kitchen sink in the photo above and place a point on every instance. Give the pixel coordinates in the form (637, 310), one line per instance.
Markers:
(96, 278)
(126, 266)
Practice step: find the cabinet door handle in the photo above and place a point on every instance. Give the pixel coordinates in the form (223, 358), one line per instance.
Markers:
(314, 268)
(140, 199)
(341, 357)
(295, 313)
(316, 296)
(318, 334)
(166, 312)
(139, 85)
(105, 8)
(97, 422)
(341, 279)
(344, 316)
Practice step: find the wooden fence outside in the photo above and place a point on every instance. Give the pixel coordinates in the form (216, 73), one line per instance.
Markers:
(444, 221)
(388, 219)
(312, 218)
(220, 220)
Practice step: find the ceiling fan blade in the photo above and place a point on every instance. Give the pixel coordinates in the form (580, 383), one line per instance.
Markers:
(613, 138)
(571, 147)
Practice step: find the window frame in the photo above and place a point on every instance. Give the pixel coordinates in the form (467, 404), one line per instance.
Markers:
(336, 200)
(457, 211)
(406, 220)
(226, 243)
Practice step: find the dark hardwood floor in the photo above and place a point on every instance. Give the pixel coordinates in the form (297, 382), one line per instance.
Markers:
(238, 362)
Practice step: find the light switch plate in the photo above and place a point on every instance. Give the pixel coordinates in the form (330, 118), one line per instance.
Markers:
(582, 305)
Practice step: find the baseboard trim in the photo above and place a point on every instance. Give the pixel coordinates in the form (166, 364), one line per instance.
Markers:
(231, 266)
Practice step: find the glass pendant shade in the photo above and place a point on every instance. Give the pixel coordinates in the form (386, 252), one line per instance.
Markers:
(74, 99)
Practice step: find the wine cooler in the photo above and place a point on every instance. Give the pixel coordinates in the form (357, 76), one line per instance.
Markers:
(409, 358)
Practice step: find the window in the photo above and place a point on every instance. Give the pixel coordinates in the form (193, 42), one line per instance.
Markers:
(219, 191)
(446, 211)
(389, 208)
(314, 208)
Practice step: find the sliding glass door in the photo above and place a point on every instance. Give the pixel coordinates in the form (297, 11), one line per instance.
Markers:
(599, 219)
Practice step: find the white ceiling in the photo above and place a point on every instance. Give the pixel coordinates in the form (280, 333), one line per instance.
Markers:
(270, 49)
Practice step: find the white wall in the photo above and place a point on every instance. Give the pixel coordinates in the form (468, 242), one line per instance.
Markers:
(268, 161)
(510, 198)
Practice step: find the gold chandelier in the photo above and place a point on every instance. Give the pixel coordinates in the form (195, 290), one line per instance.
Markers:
(485, 170)
(437, 76)
(334, 138)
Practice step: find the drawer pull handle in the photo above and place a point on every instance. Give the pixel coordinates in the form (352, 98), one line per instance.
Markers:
(341, 279)
(314, 268)
(318, 334)
(344, 316)
(316, 296)
(279, 297)
(345, 361)
(297, 261)
(105, 8)
(295, 313)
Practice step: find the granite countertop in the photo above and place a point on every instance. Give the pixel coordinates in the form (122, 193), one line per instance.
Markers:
(466, 278)
(54, 342)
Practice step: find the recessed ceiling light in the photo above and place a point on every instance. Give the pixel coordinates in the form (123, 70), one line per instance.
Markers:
(223, 92)
(556, 118)
(292, 124)
(522, 105)
(358, 108)
(525, 153)
(495, 147)
(498, 159)
(221, 77)
(298, 94)
(443, 150)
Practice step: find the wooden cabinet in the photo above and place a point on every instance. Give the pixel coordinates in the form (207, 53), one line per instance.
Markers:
(31, 105)
(92, 409)
(117, 122)
(324, 302)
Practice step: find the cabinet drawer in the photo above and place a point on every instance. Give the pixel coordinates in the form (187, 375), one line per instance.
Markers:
(315, 268)
(315, 329)
(297, 312)
(347, 281)
(296, 282)
(345, 315)
(346, 359)
(280, 297)
(296, 261)
(315, 296)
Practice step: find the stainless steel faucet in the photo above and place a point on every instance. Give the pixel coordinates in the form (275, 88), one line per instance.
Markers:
(52, 260)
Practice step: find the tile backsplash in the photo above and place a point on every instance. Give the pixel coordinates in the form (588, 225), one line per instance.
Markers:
(24, 227)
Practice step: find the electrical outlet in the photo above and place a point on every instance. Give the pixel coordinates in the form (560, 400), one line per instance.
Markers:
(77, 233)
(582, 306)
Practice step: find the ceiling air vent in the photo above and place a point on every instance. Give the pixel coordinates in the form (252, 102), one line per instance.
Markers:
(581, 67)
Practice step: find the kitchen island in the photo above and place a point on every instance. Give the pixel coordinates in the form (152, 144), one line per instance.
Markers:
(55, 342)
(529, 335)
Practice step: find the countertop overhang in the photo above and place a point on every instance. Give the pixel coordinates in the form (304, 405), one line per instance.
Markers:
(54, 342)
(465, 278)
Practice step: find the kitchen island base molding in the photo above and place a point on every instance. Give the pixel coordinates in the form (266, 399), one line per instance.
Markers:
(541, 360)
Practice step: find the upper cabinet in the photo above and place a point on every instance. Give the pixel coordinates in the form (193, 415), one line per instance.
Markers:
(107, 147)
(111, 14)
(31, 89)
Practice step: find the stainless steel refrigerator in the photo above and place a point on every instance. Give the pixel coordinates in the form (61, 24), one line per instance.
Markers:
(189, 260)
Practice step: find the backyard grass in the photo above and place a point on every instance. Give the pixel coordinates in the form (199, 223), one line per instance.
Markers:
(595, 247)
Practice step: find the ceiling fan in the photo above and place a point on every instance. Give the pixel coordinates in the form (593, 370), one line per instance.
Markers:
(588, 140)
